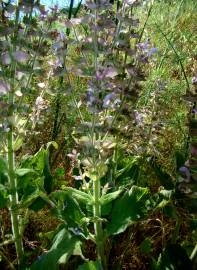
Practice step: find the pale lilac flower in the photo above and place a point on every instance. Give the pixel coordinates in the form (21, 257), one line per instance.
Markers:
(152, 51)
(108, 99)
(185, 171)
(145, 48)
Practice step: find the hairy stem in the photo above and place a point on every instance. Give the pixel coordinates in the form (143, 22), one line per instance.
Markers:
(13, 187)
(98, 225)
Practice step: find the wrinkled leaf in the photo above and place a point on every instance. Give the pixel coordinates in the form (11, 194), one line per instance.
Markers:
(128, 209)
(107, 198)
(74, 193)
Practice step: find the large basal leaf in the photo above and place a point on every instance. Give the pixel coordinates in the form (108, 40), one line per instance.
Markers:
(128, 209)
(91, 265)
(64, 245)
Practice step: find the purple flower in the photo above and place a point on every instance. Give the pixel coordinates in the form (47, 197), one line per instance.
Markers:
(90, 97)
(194, 111)
(144, 46)
(107, 100)
(185, 172)
(152, 51)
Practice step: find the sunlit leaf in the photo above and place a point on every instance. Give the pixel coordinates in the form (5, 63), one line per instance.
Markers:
(23, 171)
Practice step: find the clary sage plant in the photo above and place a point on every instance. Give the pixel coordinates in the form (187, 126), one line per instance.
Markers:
(110, 61)
(22, 39)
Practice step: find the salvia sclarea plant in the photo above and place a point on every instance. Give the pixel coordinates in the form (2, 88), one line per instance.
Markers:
(23, 44)
(111, 60)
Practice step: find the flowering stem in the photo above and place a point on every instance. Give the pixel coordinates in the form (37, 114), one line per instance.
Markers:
(13, 188)
(98, 224)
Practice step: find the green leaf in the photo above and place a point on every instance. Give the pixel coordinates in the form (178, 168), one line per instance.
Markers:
(107, 198)
(18, 143)
(37, 204)
(68, 208)
(80, 196)
(64, 245)
(48, 179)
(23, 171)
(26, 201)
(91, 265)
(128, 209)
(40, 162)
(106, 201)
(53, 143)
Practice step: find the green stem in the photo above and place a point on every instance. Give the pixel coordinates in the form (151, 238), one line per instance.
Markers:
(13, 188)
(98, 225)
(194, 253)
